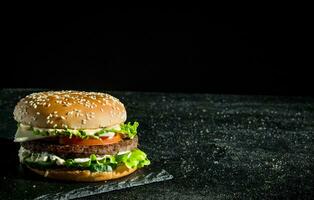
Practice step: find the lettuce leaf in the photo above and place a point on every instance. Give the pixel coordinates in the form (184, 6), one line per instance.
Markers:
(127, 129)
(133, 159)
(66, 132)
(106, 164)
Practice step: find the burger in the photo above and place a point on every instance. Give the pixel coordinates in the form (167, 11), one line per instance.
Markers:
(77, 136)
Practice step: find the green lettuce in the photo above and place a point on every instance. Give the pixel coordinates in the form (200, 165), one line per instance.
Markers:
(133, 159)
(106, 164)
(66, 132)
(129, 130)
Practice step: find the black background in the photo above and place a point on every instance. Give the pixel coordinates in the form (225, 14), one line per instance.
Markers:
(145, 49)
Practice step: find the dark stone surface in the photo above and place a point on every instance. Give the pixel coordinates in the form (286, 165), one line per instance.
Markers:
(215, 146)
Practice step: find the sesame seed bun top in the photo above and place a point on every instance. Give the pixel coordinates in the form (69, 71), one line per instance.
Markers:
(70, 109)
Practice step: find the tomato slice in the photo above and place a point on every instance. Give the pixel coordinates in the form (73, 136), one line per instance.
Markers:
(90, 142)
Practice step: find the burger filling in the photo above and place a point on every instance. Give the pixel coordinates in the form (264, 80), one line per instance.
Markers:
(26, 132)
(132, 159)
(81, 149)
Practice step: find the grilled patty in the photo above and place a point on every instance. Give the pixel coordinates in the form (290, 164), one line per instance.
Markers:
(78, 151)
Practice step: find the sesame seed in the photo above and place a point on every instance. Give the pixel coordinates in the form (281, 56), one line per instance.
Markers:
(69, 113)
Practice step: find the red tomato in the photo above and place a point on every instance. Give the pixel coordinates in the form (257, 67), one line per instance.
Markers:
(90, 142)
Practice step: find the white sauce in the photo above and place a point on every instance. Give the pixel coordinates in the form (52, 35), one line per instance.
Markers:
(26, 135)
(42, 157)
(81, 160)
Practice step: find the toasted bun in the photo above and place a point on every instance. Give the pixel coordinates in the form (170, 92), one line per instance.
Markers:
(83, 175)
(70, 109)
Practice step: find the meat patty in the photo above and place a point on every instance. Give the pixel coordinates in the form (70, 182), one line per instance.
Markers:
(77, 151)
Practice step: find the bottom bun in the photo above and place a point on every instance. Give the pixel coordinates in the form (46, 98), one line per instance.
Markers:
(83, 175)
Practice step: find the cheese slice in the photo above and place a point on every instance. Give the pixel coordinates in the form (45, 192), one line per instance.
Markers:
(26, 135)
